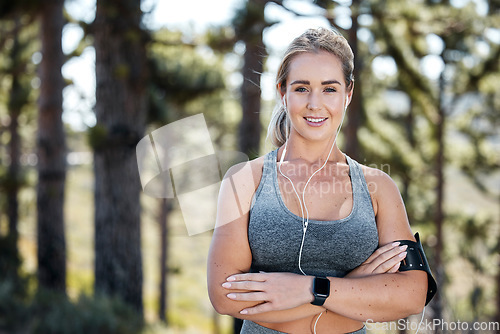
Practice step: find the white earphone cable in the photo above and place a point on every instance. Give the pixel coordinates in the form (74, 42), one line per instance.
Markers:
(316, 322)
(303, 206)
(421, 319)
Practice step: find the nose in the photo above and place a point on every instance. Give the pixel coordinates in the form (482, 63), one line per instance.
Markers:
(314, 101)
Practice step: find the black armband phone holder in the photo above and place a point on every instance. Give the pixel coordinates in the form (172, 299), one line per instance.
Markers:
(415, 260)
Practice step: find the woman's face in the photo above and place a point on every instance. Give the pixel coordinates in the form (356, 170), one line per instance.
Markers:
(316, 95)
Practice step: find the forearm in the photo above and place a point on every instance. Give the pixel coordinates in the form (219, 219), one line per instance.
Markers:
(383, 297)
(227, 306)
(292, 314)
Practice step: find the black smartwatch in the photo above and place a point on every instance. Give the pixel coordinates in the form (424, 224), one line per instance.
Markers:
(321, 290)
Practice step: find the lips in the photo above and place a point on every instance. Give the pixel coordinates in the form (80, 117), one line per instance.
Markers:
(315, 121)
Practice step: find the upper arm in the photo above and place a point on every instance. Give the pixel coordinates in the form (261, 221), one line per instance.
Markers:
(392, 222)
(390, 211)
(229, 250)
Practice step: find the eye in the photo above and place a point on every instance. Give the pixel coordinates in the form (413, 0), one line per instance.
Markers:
(301, 89)
(330, 90)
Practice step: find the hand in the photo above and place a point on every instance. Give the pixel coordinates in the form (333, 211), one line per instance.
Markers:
(276, 291)
(385, 259)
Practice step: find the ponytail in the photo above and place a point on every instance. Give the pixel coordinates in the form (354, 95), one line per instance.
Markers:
(279, 126)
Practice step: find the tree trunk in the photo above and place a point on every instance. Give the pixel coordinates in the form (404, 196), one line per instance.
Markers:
(250, 127)
(13, 176)
(120, 113)
(355, 113)
(497, 314)
(163, 221)
(9, 257)
(51, 149)
(253, 66)
(17, 99)
(439, 213)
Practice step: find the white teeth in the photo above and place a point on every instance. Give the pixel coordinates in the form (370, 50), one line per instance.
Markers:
(315, 120)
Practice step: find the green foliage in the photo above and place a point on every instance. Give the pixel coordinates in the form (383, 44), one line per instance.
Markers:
(458, 95)
(14, 306)
(121, 71)
(97, 136)
(52, 312)
(56, 314)
(181, 73)
(10, 260)
(12, 8)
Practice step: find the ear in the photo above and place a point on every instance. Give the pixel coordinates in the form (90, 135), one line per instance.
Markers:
(281, 90)
(348, 97)
(282, 93)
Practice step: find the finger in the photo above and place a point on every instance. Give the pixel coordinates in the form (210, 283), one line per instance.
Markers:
(390, 263)
(381, 255)
(258, 277)
(261, 308)
(247, 296)
(382, 250)
(382, 258)
(244, 285)
(395, 268)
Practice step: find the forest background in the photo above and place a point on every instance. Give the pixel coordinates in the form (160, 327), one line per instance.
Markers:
(83, 249)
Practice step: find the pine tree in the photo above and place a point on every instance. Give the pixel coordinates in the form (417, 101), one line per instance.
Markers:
(121, 109)
(179, 76)
(51, 149)
(16, 73)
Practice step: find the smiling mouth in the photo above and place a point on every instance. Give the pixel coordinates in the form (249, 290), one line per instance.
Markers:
(315, 120)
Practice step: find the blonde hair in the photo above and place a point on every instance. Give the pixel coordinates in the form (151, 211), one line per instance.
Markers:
(313, 40)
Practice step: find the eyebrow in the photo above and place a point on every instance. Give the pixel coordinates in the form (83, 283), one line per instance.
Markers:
(306, 82)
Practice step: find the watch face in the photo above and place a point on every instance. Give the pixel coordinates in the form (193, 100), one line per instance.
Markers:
(322, 286)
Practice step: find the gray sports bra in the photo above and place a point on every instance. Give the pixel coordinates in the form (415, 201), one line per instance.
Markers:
(331, 248)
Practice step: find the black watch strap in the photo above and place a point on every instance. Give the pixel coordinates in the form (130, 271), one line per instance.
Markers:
(321, 290)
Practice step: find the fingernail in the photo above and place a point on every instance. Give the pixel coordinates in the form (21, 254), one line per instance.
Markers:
(231, 296)
(394, 244)
(402, 254)
(403, 247)
(226, 285)
(243, 312)
(230, 279)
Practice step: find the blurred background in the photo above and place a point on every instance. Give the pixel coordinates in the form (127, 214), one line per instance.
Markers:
(83, 250)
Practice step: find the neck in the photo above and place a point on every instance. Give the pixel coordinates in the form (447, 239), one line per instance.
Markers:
(312, 152)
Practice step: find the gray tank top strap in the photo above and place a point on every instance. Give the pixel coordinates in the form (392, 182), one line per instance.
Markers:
(358, 181)
(268, 172)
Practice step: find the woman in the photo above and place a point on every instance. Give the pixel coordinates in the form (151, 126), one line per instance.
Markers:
(305, 236)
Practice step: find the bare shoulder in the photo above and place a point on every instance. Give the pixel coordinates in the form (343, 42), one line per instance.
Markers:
(246, 174)
(236, 193)
(390, 212)
(379, 182)
(382, 188)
